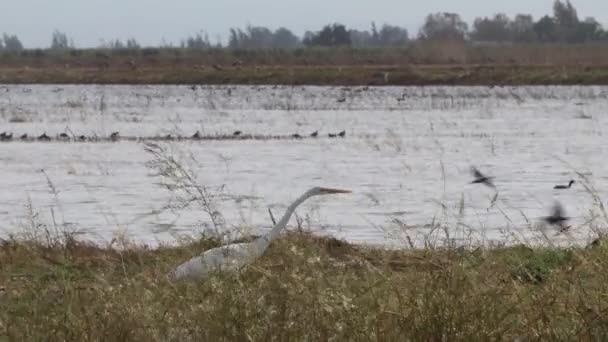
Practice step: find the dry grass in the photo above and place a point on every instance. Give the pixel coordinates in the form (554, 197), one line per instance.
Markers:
(419, 63)
(305, 289)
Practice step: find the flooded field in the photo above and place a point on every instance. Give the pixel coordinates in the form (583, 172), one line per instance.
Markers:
(406, 154)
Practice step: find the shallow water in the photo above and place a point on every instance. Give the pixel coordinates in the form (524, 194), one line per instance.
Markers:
(406, 155)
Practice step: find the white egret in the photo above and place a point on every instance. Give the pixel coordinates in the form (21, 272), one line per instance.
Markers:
(235, 256)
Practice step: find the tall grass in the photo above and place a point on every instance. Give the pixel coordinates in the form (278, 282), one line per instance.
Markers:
(55, 287)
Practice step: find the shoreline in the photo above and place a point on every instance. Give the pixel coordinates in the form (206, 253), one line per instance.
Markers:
(321, 75)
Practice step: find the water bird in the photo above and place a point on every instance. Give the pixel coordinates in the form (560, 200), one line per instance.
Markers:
(44, 137)
(331, 135)
(342, 99)
(557, 217)
(481, 178)
(564, 186)
(314, 134)
(64, 136)
(296, 136)
(342, 134)
(82, 138)
(196, 135)
(234, 257)
(23, 136)
(114, 136)
(237, 133)
(6, 136)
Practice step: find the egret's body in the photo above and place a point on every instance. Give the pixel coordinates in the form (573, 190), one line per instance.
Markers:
(235, 256)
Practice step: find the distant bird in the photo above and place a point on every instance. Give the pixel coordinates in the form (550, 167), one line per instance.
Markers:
(331, 135)
(114, 136)
(235, 256)
(6, 136)
(196, 135)
(481, 178)
(23, 136)
(314, 134)
(296, 136)
(82, 138)
(340, 100)
(564, 186)
(44, 137)
(64, 136)
(557, 217)
(342, 134)
(237, 133)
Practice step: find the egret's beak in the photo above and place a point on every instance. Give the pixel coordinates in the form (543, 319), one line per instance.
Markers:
(334, 191)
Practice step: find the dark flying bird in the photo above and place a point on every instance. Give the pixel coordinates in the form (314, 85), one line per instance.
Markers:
(557, 217)
(314, 134)
(481, 178)
(196, 135)
(237, 133)
(342, 134)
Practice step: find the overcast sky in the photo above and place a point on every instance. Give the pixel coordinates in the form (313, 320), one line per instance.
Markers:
(151, 21)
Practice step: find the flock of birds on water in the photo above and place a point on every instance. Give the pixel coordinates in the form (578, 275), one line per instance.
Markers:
(557, 216)
(115, 136)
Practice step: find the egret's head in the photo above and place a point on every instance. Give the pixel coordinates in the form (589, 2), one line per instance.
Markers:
(328, 191)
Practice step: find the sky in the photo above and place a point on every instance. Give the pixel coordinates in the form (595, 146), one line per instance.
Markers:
(151, 22)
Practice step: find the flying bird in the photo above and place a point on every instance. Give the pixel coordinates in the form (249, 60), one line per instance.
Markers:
(564, 186)
(235, 256)
(314, 134)
(237, 133)
(342, 134)
(481, 178)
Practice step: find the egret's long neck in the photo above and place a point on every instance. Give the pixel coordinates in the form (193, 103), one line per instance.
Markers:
(265, 240)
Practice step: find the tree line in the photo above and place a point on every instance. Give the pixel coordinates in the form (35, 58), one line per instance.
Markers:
(563, 26)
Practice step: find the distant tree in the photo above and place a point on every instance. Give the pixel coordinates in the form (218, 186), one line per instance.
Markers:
(443, 26)
(566, 21)
(589, 30)
(495, 29)
(522, 28)
(330, 35)
(251, 37)
(390, 35)
(545, 29)
(362, 38)
(59, 41)
(199, 41)
(10, 43)
(132, 44)
(284, 38)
